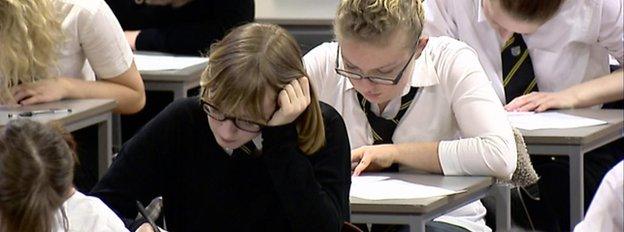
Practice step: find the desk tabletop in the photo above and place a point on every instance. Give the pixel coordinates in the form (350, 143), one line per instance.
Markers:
(296, 12)
(470, 184)
(582, 135)
(188, 74)
(81, 109)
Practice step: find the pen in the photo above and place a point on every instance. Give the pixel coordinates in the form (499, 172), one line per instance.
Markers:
(144, 214)
(37, 112)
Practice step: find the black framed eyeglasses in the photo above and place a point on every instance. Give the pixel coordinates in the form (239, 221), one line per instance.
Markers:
(374, 79)
(218, 115)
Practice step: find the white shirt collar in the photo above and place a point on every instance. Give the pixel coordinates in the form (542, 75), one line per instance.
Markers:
(480, 13)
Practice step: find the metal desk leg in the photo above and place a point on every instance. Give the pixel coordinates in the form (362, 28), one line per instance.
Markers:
(501, 193)
(417, 224)
(116, 133)
(105, 144)
(577, 190)
(179, 92)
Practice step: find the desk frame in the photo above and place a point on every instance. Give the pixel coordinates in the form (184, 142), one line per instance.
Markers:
(105, 137)
(417, 221)
(575, 153)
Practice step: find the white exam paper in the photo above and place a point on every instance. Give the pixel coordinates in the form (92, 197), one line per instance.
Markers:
(160, 62)
(383, 188)
(549, 120)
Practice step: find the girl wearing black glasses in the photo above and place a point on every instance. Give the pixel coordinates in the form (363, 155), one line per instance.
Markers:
(255, 152)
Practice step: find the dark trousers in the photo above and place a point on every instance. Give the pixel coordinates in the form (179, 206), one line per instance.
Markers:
(552, 211)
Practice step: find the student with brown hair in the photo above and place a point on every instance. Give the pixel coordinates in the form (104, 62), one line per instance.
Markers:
(412, 103)
(255, 152)
(36, 191)
(536, 55)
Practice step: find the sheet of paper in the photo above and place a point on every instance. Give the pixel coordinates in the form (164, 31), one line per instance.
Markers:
(160, 62)
(380, 188)
(549, 120)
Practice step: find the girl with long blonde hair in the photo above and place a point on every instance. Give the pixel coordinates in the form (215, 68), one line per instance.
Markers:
(54, 49)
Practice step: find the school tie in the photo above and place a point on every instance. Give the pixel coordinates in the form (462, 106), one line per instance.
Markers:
(519, 78)
(382, 129)
(246, 150)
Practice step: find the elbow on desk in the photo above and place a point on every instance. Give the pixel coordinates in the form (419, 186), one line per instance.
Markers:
(502, 154)
(132, 106)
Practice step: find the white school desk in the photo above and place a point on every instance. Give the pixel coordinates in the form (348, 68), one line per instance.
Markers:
(574, 143)
(177, 81)
(85, 112)
(309, 21)
(417, 212)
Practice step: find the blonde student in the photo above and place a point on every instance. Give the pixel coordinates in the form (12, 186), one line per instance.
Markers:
(412, 103)
(36, 192)
(57, 49)
(255, 152)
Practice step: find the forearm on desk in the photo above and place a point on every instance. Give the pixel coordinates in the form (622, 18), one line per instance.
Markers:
(127, 89)
(419, 155)
(601, 90)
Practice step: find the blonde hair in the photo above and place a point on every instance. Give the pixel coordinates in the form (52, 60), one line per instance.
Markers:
(30, 33)
(374, 21)
(250, 60)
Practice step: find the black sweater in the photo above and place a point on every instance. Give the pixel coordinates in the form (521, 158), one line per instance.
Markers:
(204, 189)
(187, 30)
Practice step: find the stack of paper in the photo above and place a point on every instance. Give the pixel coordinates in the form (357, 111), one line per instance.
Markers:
(549, 120)
(160, 62)
(381, 188)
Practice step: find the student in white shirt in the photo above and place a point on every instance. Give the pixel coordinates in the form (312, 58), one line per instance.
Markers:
(606, 212)
(534, 53)
(36, 192)
(455, 124)
(568, 42)
(54, 49)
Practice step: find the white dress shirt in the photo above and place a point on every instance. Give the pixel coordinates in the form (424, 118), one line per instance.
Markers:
(92, 33)
(455, 105)
(570, 48)
(606, 211)
(86, 213)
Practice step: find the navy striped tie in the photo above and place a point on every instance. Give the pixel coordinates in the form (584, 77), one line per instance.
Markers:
(518, 75)
(382, 129)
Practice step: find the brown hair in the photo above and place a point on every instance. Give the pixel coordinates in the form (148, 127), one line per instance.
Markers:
(531, 10)
(375, 20)
(36, 172)
(252, 59)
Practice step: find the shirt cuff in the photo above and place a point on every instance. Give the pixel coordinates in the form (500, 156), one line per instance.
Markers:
(449, 158)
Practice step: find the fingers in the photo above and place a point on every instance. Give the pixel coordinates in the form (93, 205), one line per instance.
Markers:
(33, 100)
(283, 99)
(364, 163)
(516, 103)
(290, 90)
(305, 86)
(298, 90)
(543, 107)
(23, 93)
(356, 154)
(524, 103)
